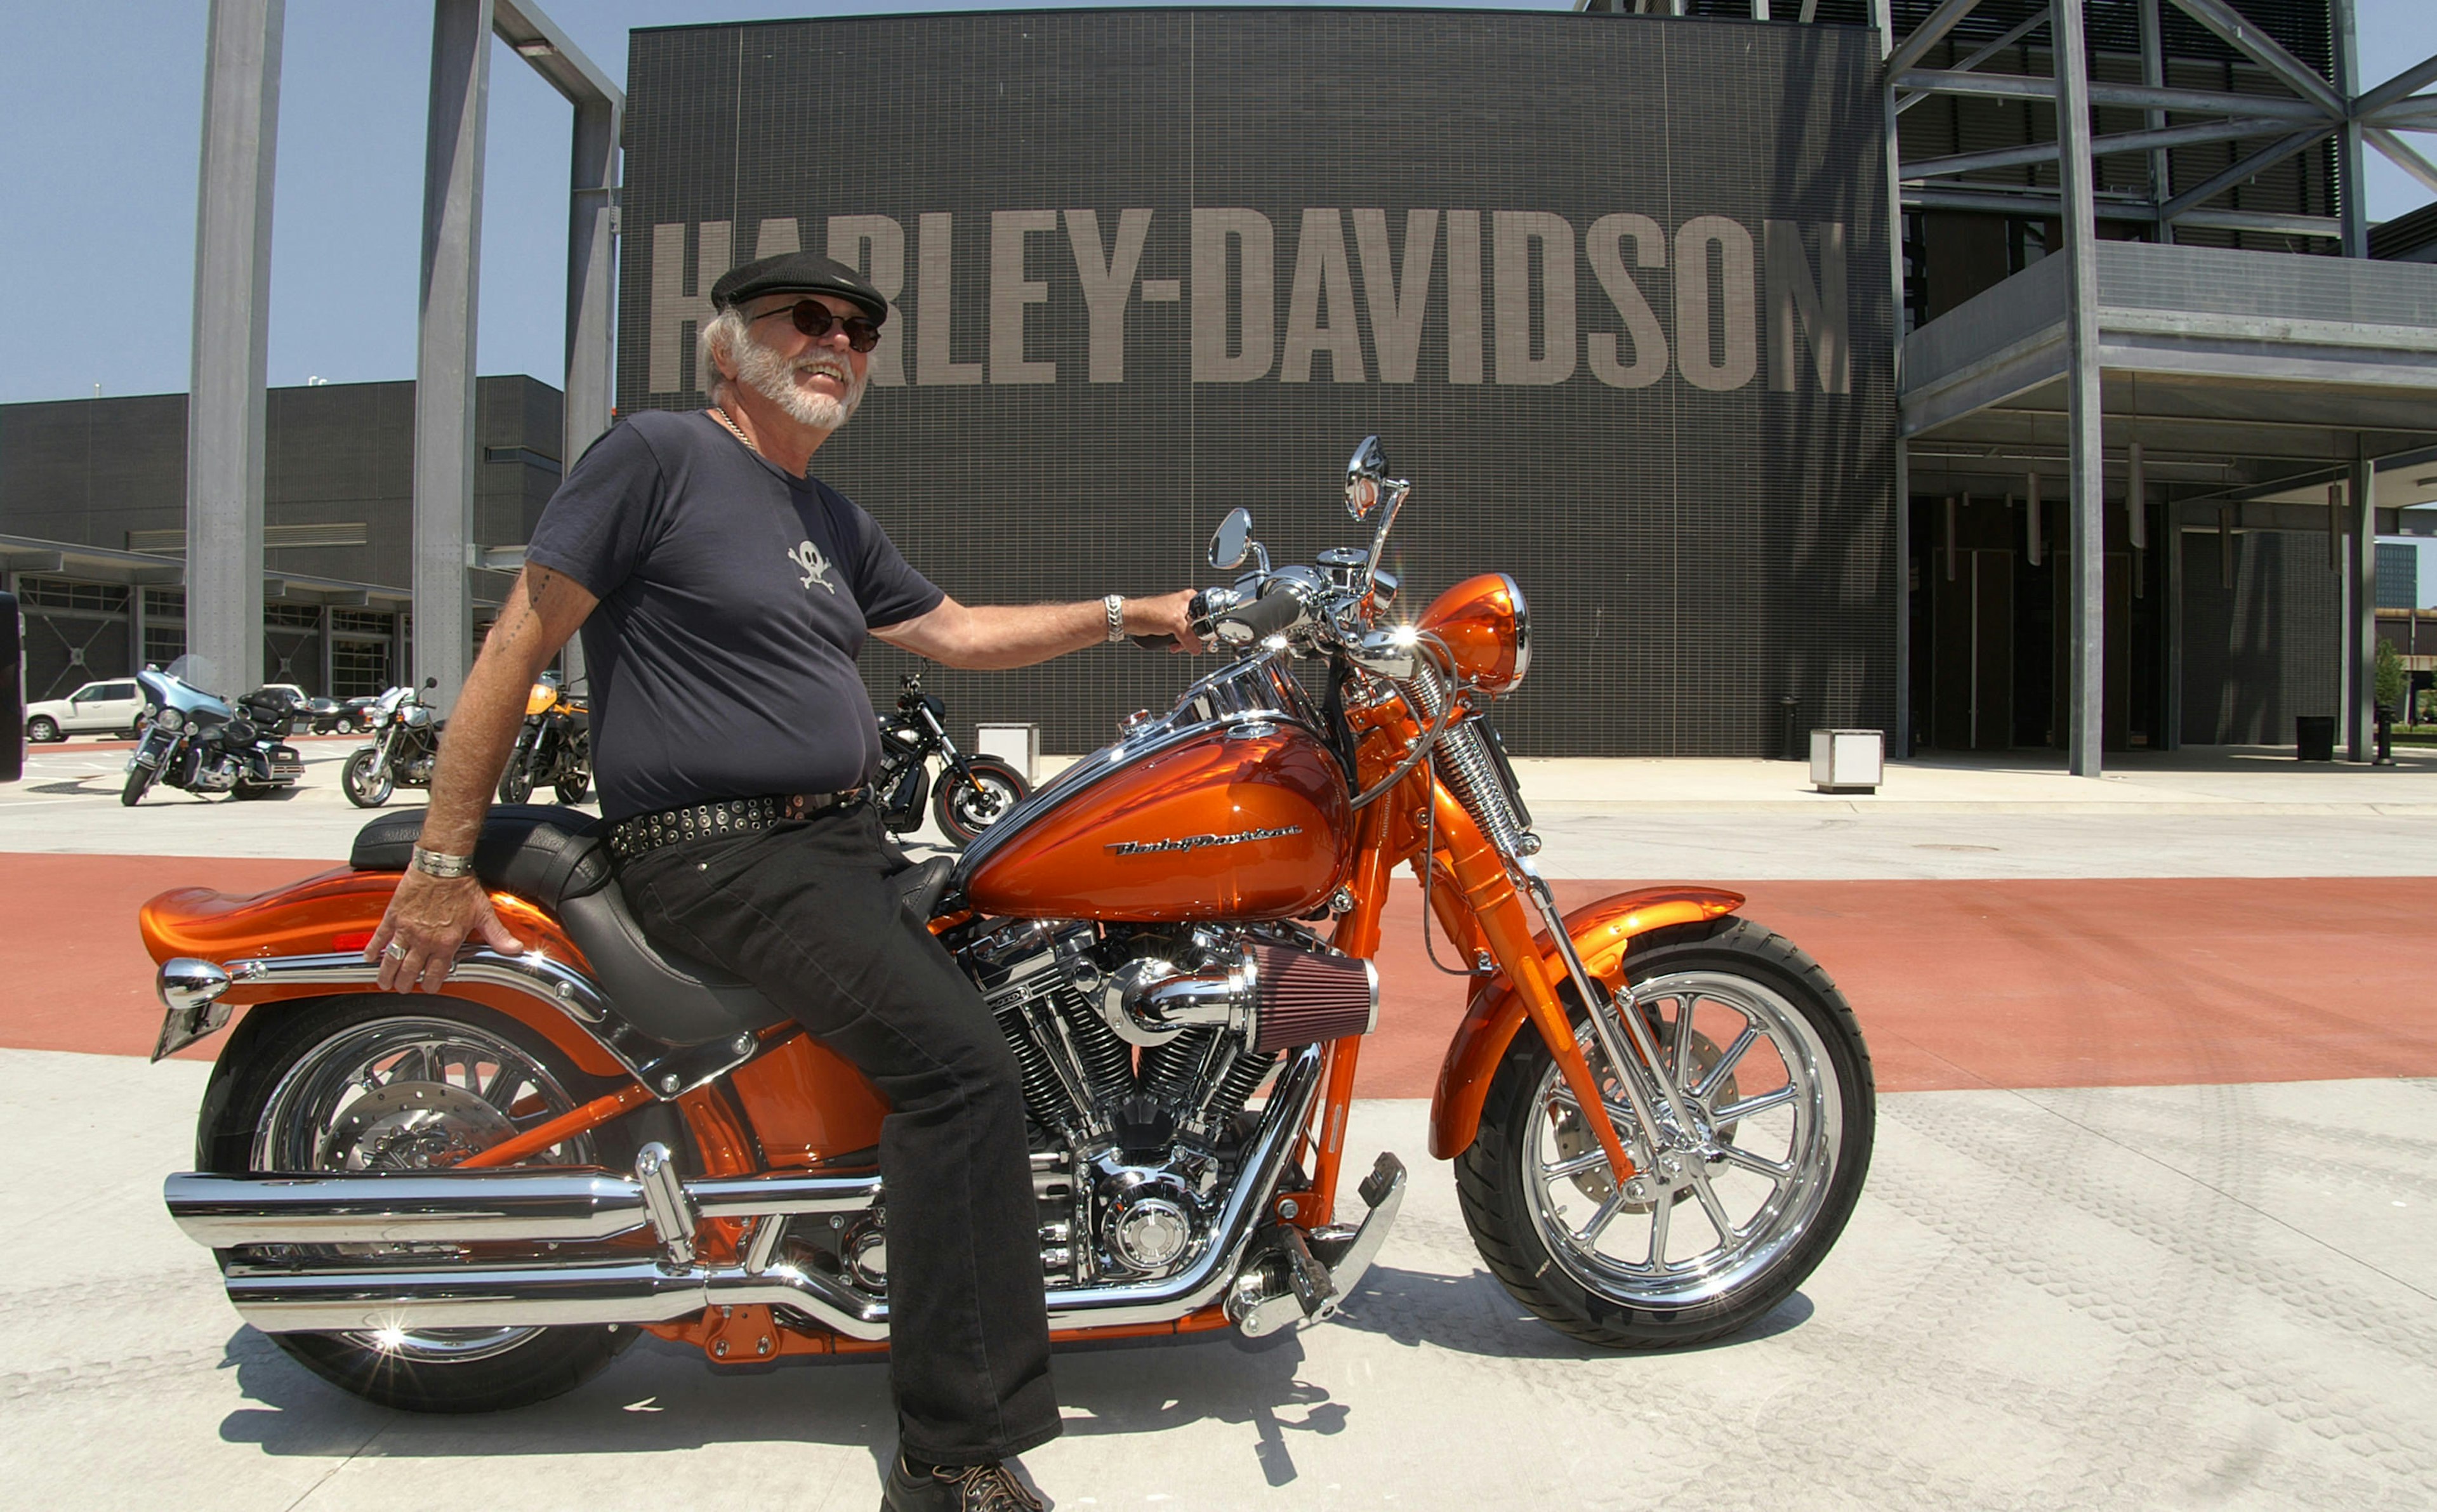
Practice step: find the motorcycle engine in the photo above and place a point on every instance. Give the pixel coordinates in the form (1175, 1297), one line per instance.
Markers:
(1139, 1046)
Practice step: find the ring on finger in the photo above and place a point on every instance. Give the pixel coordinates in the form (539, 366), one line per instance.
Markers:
(395, 951)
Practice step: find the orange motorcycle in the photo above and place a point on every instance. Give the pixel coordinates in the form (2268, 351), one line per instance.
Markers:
(1661, 1114)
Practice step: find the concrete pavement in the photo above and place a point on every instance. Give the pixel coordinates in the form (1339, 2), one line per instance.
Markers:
(2058, 1290)
(2197, 1296)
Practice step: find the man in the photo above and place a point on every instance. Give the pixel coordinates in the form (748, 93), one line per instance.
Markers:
(723, 596)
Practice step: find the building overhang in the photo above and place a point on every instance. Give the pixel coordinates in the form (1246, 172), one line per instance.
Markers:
(2235, 370)
(95, 563)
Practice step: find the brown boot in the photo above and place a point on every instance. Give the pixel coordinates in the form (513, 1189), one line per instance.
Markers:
(990, 1488)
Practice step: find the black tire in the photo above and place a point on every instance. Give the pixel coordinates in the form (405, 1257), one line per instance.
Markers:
(43, 729)
(259, 1074)
(964, 813)
(139, 782)
(516, 783)
(1591, 1295)
(367, 782)
(575, 788)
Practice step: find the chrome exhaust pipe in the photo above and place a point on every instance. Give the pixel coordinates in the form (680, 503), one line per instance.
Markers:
(313, 1297)
(473, 1207)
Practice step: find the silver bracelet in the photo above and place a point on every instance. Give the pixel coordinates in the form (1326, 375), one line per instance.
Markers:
(1114, 605)
(434, 863)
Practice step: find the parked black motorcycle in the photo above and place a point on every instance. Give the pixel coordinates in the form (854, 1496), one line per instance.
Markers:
(973, 790)
(554, 747)
(198, 742)
(402, 752)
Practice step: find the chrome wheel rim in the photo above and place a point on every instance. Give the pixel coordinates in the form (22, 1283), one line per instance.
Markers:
(1719, 1201)
(412, 1094)
(979, 810)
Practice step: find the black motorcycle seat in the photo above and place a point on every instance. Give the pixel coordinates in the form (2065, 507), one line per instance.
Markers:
(559, 859)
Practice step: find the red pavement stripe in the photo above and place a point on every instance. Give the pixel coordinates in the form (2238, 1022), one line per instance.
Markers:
(1958, 985)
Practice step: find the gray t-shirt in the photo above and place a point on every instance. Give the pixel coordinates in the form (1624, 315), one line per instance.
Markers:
(733, 601)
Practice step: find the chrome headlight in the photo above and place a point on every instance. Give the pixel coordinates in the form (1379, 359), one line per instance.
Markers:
(168, 720)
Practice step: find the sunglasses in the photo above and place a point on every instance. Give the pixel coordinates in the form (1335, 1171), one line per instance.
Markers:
(817, 320)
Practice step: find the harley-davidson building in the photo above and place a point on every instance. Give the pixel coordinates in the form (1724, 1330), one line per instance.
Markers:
(1779, 350)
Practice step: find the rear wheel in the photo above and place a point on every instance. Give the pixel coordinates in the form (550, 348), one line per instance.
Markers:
(367, 781)
(1720, 1225)
(392, 1085)
(575, 787)
(964, 809)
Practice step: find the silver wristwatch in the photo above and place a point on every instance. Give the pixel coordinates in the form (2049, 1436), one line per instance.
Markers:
(1116, 606)
(434, 863)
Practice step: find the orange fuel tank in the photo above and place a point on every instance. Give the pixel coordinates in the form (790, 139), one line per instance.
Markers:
(1239, 820)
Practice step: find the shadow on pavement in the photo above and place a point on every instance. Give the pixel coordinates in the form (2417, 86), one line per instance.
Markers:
(1473, 1313)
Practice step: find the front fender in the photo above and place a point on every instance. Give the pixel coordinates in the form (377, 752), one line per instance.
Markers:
(1602, 932)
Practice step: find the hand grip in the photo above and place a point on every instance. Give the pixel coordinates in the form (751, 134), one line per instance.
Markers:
(1273, 613)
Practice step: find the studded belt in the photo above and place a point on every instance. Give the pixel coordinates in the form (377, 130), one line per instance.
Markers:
(730, 816)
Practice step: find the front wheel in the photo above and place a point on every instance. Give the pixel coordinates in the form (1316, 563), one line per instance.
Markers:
(516, 783)
(139, 782)
(42, 729)
(964, 809)
(367, 780)
(397, 1084)
(1715, 1229)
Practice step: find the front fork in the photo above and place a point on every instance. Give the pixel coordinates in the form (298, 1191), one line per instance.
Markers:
(1488, 878)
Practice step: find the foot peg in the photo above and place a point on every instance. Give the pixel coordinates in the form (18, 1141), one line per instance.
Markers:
(1302, 1280)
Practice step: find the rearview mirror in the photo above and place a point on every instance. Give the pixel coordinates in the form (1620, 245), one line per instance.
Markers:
(1231, 540)
(1364, 478)
(432, 682)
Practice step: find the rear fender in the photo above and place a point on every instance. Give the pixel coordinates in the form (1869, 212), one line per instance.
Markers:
(1603, 932)
(336, 912)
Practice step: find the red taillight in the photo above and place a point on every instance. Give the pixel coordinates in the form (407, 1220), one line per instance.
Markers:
(353, 940)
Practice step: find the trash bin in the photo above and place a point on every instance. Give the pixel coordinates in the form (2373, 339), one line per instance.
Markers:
(2314, 737)
(1847, 761)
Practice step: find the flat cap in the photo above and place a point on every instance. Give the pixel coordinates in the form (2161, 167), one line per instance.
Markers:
(797, 272)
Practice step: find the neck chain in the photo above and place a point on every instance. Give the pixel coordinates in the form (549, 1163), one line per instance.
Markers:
(719, 414)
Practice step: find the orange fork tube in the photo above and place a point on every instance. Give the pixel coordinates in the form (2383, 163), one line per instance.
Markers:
(1358, 935)
(1481, 873)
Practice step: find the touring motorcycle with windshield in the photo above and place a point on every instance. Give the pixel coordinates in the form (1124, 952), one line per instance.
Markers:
(1660, 1113)
(198, 742)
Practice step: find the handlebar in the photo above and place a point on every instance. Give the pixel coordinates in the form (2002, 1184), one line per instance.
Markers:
(1277, 611)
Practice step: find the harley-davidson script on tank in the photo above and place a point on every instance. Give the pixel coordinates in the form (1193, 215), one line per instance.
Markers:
(1231, 806)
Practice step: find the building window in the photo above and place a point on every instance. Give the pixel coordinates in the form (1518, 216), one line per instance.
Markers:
(359, 668)
(56, 593)
(164, 644)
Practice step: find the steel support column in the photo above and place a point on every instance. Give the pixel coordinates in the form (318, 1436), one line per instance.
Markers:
(2352, 206)
(2361, 634)
(591, 271)
(2086, 457)
(232, 338)
(443, 363)
(1900, 737)
(2153, 75)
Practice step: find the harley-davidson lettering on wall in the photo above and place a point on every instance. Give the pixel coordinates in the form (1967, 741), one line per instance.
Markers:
(1512, 317)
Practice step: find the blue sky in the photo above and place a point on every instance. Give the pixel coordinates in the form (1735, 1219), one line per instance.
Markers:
(104, 101)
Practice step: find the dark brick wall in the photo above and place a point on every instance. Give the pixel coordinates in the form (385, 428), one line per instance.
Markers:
(1690, 552)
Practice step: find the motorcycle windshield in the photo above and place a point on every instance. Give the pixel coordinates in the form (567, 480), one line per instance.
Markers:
(169, 692)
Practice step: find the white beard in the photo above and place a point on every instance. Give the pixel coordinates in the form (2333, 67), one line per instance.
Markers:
(777, 380)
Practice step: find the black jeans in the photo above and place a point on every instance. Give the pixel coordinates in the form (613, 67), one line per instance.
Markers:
(803, 910)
